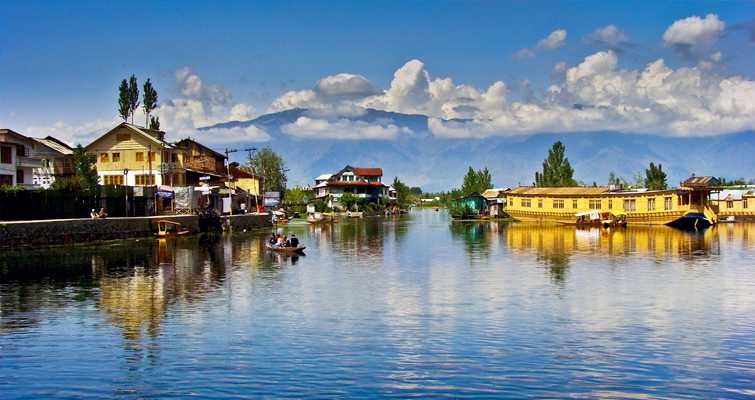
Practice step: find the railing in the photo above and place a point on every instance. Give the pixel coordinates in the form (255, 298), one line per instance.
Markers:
(22, 161)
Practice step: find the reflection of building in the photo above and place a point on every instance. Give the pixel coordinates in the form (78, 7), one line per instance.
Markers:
(686, 206)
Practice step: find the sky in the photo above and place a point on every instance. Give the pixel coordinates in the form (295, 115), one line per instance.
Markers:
(679, 68)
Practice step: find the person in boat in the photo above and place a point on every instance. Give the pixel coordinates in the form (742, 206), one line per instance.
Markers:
(273, 240)
(294, 241)
(281, 242)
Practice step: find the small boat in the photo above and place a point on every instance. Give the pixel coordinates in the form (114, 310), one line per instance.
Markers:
(289, 250)
(354, 214)
(167, 228)
(320, 218)
(728, 220)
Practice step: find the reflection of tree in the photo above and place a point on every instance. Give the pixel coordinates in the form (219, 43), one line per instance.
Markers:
(474, 236)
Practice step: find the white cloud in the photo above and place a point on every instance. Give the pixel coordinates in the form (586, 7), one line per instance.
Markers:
(524, 53)
(345, 85)
(231, 135)
(608, 35)
(554, 40)
(73, 134)
(314, 128)
(694, 30)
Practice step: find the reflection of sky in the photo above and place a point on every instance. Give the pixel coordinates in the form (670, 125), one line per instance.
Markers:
(414, 306)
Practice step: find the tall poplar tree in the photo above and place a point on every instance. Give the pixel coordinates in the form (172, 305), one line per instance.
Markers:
(149, 102)
(133, 96)
(124, 104)
(655, 178)
(154, 123)
(557, 171)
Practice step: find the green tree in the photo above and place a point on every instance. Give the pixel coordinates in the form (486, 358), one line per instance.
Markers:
(655, 178)
(613, 179)
(476, 181)
(133, 96)
(557, 171)
(85, 170)
(124, 105)
(154, 123)
(150, 100)
(403, 193)
(271, 168)
(348, 201)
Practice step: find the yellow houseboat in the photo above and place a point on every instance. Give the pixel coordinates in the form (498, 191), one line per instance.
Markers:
(686, 207)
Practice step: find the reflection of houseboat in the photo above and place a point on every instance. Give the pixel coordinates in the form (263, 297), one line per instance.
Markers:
(686, 207)
(169, 228)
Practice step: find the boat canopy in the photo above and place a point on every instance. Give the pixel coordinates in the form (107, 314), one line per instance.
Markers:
(594, 215)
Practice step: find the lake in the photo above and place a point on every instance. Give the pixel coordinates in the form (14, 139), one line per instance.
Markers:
(409, 307)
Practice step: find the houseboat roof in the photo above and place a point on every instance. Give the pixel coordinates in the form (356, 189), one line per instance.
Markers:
(735, 194)
(493, 193)
(560, 191)
(701, 181)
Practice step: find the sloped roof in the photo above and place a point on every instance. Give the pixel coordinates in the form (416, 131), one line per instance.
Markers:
(734, 194)
(368, 171)
(323, 177)
(137, 129)
(493, 193)
(559, 191)
(355, 183)
(17, 135)
(700, 181)
(56, 145)
(188, 139)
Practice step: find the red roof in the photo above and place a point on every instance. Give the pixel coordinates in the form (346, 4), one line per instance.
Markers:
(361, 171)
(354, 183)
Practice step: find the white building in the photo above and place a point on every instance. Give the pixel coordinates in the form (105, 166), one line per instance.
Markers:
(17, 159)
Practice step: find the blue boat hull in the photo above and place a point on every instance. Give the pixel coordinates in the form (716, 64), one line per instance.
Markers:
(691, 221)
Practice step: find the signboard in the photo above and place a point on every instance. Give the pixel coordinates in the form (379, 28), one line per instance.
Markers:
(204, 178)
(272, 199)
(226, 205)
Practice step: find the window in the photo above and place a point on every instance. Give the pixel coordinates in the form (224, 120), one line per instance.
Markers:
(574, 203)
(174, 157)
(558, 203)
(45, 163)
(667, 203)
(19, 176)
(115, 180)
(651, 204)
(6, 180)
(5, 155)
(116, 157)
(139, 156)
(103, 158)
(122, 137)
(729, 204)
(630, 204)
(610, 204)
(145, 180)
(744, 203)
(539, 203)
(526, 203)
(151, 156)
(595, 204)
(21, 151)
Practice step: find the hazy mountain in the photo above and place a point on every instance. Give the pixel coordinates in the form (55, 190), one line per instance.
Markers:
(438, 164)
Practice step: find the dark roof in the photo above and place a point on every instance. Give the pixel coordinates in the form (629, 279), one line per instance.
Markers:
(701, 181)
(239, 173)
(188, 139)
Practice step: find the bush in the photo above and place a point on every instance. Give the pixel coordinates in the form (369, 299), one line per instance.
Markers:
(463, 212)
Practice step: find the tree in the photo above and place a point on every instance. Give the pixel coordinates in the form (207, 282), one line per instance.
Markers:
(270, 166)
(154, 123)
(124, 105)
(150, 101)
(403, 193)
(86, 172)
(476, 181)
(557, 171)
(655, 178)
(613, 179)
(348, 201)
(133, 96)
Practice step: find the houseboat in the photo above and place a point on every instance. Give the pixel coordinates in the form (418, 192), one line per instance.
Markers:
(735, 204)
(687, 206)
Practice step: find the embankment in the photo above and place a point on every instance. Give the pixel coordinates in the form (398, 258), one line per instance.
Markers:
(70, 231)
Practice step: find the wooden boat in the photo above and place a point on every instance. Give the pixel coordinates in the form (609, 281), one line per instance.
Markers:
(354, 214)
(288, 250)
(167, 228)
(320, 218)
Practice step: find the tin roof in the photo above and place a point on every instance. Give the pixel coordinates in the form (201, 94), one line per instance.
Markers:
(493, 193)
(734, 194)
(700, 181)
(558, 191)
(56, 145)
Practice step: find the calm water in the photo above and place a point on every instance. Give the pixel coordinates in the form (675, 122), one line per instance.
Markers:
(381, 308)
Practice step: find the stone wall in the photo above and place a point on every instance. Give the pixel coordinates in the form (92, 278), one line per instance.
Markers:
(70, 231)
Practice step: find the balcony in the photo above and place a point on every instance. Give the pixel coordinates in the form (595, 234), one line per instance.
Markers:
(28, 162)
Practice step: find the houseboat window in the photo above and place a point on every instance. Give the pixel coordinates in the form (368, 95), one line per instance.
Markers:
(145, 180)
(526, 203)
(651, 204)
(630, 204)
(574, 203)
(103, 157)
(5, 155)
(116, 157)
(744, 203)
(667, 203)
(729, 204)
(558, 203)
(683, 199)
(595, 204)
(139, 156)
(115, 180)
(539, 203)
(610, 204)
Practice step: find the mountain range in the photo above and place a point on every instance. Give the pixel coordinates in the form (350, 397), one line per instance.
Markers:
(421, 159)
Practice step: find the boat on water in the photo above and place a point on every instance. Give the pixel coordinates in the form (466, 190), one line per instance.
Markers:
(686, 207)
(728, 220)
(288, 250)
(321, 218)
(166, 228)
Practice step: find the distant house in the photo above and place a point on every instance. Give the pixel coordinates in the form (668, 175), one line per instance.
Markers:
(244, 179)
(475, 201)
(496, 200)
(17, 159)
(738, 203)
(57, 161)
(363, 182)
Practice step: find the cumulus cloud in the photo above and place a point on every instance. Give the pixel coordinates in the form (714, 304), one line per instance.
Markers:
(693, 36)
(232, 135)
(609, 36)
(73, 134)
(524, 53)
(344, 129)
(554, 40)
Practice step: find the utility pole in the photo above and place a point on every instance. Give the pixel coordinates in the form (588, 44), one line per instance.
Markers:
(228, 186)
(249, 151)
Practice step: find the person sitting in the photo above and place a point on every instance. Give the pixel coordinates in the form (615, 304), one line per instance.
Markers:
(281, 241)
(294, 241)
(102, 214)
(273, 239)
(93, 214)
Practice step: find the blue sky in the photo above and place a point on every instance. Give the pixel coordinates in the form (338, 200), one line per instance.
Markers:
(61, 62)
